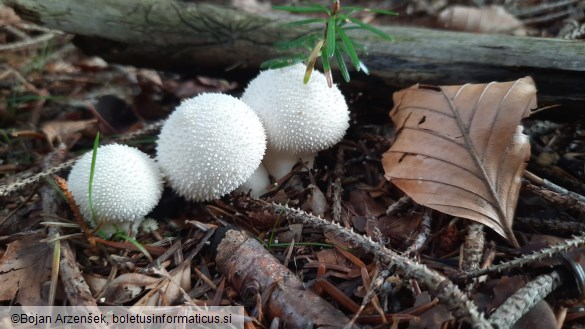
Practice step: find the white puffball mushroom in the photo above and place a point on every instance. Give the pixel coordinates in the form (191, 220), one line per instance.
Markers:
(257, 184)
(210, 145)
(300, 119)
(127, 185)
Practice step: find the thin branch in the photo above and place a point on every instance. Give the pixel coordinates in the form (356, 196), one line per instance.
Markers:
(458, 303)
(538, 256)
(524, 300)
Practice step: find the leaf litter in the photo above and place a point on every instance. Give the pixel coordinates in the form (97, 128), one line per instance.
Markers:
(24, 269)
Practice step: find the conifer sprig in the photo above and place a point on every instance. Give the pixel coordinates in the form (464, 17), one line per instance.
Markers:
(332, 44)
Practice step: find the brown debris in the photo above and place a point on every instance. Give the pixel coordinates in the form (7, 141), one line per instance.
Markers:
(254, 273)
(24, 267)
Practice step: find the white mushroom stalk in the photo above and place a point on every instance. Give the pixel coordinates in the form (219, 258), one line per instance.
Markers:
(300, 119)
(127, 185)
(210, 145)
(257, 184)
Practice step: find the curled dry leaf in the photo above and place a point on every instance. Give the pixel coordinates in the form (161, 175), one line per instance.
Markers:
(489, 19)
(460, 149)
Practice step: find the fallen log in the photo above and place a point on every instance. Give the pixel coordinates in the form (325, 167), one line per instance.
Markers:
(181, 35)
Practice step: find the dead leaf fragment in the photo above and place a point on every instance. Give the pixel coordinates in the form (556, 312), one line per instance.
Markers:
(433, 318)
(62, 131)
(25, 266)
(489, 19)
(460, 149)
(171, 288)
(123, 288)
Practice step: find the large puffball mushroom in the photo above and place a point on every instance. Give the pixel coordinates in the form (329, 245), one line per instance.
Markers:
(257, 184)
(300, 119)
(127, 185)
(210, 145)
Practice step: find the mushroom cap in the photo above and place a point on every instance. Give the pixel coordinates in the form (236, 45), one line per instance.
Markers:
(210, 145)
(298, 118)
(127, 184)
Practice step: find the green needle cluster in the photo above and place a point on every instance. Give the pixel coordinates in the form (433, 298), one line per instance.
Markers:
(333, 43)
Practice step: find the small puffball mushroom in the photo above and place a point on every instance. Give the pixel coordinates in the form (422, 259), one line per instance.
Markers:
(257, 184)
(127, 185)
(210, 145)
(300, 119)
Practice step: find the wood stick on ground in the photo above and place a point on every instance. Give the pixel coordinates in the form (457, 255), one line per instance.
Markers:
(524, 300)
(253, 271)
(526, 260)
(456, 301)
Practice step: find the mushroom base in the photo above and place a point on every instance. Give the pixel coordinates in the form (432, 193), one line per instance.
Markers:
(280, 163)
(257, 184)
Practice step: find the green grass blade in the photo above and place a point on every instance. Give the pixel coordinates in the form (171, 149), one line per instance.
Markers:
(96, 144)
(325, 59)
(307, 40)
(281, 62)
(370, 28)
(353, 9)
(140, 247)
(327, 68)
(314, 8)
(342, 66)
(303, 244)
(273, 233)
(330, 45)
(312, 61)
(125, 237)
(350, 49)
(382, 12)
(306, 21)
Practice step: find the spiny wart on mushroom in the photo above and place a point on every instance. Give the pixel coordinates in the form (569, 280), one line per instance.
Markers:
(210, 145)
(127, 185)
(300, 119)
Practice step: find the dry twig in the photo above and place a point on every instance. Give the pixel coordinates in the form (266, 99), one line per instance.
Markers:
(458, 303)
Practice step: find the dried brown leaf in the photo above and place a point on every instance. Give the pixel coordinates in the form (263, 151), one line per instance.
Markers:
(489, 19)
(123, 288)
(171, 288)
(61, 131)
(431, 319)
(460, 149)
(25, 266)
(8, 17)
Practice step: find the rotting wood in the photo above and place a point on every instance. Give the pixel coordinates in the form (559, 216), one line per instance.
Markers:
(254, 272)
(181, 35)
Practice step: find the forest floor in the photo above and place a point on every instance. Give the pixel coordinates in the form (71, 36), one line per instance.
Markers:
(54, 100)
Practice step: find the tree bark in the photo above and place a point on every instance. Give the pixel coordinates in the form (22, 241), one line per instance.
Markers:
(179, 35)
(263, 281)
